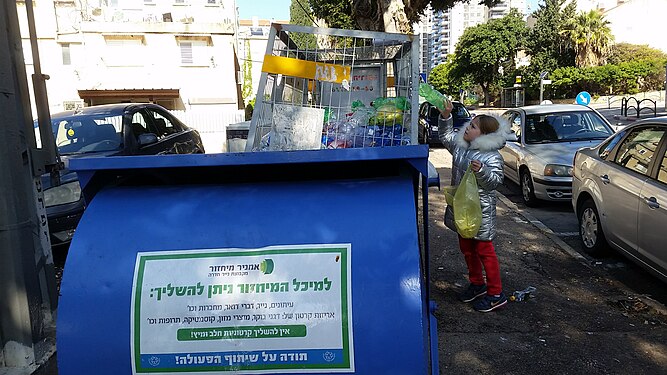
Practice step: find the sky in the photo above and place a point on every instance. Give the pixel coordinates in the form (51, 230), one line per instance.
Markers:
(265, 9)
(279, 9)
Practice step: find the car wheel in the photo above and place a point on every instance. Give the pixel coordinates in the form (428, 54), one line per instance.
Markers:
(527, 189)
(590, 229)
(423, 138)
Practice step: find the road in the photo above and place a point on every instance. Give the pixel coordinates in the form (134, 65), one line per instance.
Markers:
(561, 220)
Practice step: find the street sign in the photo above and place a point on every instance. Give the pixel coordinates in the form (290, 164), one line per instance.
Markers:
(546, 81)
(583, 98)
(543, 74)
(422, 77)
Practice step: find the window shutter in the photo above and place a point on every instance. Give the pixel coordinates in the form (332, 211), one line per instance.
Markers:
(186, 53)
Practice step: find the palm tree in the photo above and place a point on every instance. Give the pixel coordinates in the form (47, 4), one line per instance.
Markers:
(590, 36)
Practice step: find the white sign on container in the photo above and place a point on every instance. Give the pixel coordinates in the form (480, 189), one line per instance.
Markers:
(269, 310)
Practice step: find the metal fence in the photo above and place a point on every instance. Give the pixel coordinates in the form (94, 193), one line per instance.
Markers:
(211, 125)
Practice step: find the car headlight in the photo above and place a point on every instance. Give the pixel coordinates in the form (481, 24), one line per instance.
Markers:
(66, 193)
(558, 170)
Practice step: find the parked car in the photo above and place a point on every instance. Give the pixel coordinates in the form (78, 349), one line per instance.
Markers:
(428, 121)
(106, 130)
(620, 194)
(540, 150)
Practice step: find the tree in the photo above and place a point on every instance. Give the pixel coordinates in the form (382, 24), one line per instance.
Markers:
(626, 52)
(246, 88)
(301, 14)
(483, 51)
(444, 80)
(547, 47)
(379, 15)
(591, 37)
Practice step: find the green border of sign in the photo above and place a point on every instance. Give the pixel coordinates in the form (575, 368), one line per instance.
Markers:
(221, 253)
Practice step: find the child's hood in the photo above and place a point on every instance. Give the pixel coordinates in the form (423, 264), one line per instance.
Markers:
(486, 142)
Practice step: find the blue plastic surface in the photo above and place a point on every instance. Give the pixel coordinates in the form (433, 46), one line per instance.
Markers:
(390, 312)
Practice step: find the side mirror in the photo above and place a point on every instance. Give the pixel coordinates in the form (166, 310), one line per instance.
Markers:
(473, 114)
(147, 139)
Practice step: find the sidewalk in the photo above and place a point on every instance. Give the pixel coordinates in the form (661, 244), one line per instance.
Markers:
(578, 322)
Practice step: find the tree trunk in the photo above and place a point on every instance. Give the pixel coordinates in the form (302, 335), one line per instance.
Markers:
(487, 98)
(392, 16)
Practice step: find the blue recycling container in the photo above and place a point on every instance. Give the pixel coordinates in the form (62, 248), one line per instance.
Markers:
(271, 262)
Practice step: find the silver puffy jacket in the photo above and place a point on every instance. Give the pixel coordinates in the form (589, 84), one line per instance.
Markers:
(485, 149)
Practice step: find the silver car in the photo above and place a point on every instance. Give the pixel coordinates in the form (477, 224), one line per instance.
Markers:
(620, 194)
(539, 152)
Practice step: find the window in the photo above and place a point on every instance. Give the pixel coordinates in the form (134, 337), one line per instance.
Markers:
(637, 150)
(194, 52)
(662, 172)
(606, 148)
(67, 57)
(163, 126)
(124, 50)
(139, 124)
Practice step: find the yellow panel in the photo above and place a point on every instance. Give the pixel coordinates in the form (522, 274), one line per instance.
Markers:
(391, 81)
(306, 69)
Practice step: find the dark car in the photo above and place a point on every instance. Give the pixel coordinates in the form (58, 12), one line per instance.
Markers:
(428, 121)
(107, 130)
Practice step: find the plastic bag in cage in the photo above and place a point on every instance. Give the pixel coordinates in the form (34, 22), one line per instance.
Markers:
(467, 207)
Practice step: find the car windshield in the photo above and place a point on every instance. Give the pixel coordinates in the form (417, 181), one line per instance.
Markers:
(565, 127)
(84, 133)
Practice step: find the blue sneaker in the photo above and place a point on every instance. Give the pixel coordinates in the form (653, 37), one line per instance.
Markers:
(472, 292)
(490, 303)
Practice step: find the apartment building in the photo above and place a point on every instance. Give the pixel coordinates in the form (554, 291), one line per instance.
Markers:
(177, 53)
(423, 29)
(503, 8)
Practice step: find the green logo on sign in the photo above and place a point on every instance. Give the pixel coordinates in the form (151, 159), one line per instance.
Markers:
(266, 266)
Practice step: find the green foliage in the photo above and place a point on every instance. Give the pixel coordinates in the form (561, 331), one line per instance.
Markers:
(548, 49)
(368, 14)
(626, 52)
(246, 87)
(336, 13)
(483, 49)
(591, 37)
(624, 78)
(248, 111)
(300, 14)
(443, 80)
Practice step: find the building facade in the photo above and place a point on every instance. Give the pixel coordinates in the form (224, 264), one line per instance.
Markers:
(448, 26)
(179, 54)
(636, 22)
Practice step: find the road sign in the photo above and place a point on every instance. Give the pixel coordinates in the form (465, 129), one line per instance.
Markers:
(422, 76)
(546, 81)
(583, 98)
(543, 74)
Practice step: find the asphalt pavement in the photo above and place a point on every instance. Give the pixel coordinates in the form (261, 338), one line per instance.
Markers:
(580, 319)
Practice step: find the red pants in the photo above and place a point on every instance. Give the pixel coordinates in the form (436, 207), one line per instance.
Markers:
(478, 253)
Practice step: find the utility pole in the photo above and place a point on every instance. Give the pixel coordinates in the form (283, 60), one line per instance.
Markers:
(28, 295)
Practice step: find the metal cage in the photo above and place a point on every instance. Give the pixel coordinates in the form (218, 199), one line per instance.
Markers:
(331, 88)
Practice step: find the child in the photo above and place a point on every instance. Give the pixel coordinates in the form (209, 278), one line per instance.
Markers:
(477, 145)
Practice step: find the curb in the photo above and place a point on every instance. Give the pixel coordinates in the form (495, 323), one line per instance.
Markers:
(657, 306)
(546, 230)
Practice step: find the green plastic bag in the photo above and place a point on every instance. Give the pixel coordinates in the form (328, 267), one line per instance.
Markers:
(467, 207)
(433, 96)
